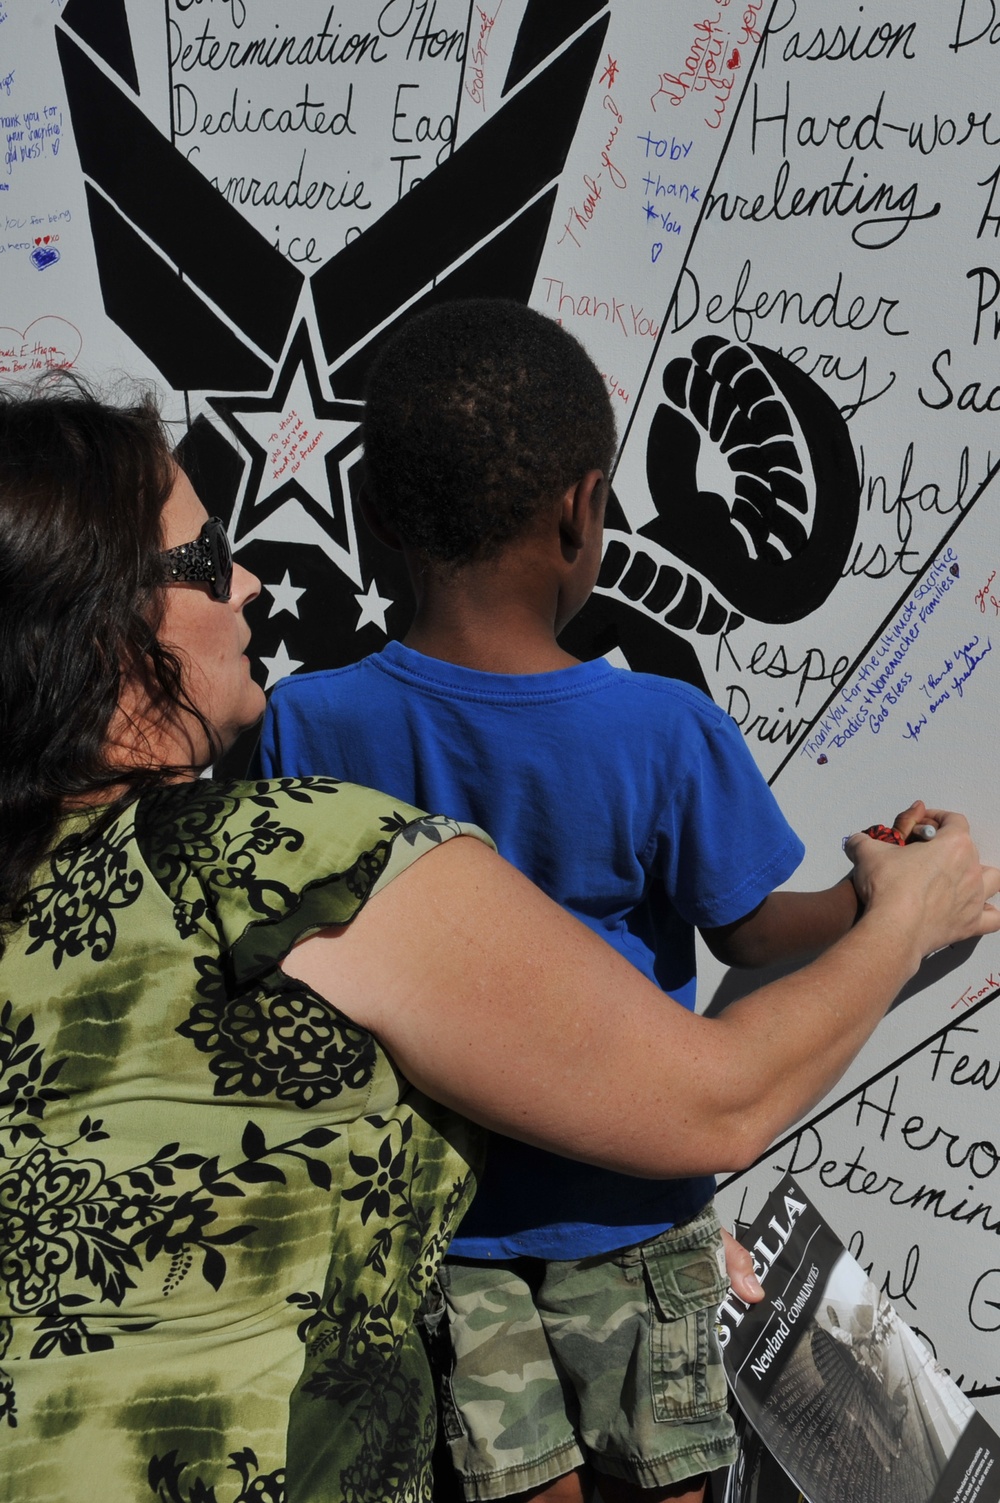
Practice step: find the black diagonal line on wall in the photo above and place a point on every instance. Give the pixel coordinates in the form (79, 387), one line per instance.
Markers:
(544, 27)
(483, 184)
(103, 25)
(504, 267)
(167, 319)
(911, 581)
(170, 201)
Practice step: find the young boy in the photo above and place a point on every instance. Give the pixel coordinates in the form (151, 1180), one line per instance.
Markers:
(580, 1303)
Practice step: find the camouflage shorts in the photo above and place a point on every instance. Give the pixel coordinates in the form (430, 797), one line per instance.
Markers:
(612, 1360)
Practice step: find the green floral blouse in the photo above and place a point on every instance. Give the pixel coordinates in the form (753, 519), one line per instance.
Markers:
(220, 1205)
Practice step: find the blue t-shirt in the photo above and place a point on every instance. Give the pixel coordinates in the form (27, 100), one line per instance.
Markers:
(631, 800)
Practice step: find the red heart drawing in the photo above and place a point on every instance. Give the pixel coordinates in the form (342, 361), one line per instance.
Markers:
(38, 240)
(50, 340)
(734, 61)
(46, 240)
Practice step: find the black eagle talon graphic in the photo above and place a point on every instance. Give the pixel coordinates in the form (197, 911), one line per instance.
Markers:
(752, 471)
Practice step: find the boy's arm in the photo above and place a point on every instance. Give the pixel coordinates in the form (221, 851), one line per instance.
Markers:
(789, 925)
(785, 926)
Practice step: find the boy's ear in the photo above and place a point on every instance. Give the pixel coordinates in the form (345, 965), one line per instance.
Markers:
(376, 524)
(582, 508)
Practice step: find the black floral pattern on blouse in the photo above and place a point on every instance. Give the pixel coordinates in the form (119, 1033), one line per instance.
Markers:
(187, 826)
(363, 1371)
(276, 1041)
(75, 911)
(164, 1476)
(273, 1038)
(434, 828)
(73, 1232)
(8, 1400)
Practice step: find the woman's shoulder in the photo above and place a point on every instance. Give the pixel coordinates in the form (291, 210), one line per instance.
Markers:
(285, 855)
(209, 803)
(211, 820)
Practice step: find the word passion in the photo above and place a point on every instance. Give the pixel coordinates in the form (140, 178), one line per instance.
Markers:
(866, 42)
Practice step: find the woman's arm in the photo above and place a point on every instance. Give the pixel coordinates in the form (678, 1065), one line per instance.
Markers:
(494, 1001)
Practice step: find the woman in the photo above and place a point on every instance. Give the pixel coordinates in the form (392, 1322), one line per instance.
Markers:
(230, 1012)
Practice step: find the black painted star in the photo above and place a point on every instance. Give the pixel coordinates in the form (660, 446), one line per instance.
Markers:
(301, 447)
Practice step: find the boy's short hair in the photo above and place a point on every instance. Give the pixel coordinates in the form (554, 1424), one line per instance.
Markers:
(478, 414)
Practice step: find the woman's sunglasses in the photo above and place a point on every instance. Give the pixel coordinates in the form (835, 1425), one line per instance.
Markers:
(206, 560)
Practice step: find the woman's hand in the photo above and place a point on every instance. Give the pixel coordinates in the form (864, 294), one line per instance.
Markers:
(944, 876)
(909, 819)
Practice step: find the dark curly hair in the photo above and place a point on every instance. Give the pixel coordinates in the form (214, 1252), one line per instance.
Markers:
(82, 487)
(478, 414)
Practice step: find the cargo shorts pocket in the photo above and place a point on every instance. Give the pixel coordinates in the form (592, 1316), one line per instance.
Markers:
(686, 1284)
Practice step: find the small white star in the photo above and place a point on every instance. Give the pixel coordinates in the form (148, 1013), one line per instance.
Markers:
(280, 666)
(373, 608)
(285, 596)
